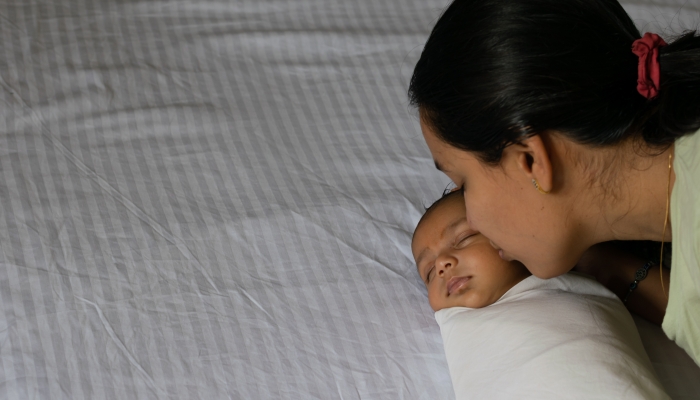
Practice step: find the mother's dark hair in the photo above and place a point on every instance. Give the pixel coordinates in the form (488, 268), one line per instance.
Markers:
(495, 71)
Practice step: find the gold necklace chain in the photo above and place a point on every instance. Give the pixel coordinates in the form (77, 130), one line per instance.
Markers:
(663, 237)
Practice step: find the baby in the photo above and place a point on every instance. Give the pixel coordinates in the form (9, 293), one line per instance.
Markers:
(508, 334)
(458, 265)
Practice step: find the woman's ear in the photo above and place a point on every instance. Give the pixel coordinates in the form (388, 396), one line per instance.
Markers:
(533, 157)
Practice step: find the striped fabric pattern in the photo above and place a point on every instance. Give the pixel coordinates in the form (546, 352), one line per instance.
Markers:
(213, 199)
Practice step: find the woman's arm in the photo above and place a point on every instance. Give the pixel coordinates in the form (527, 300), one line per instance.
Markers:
(615, 269)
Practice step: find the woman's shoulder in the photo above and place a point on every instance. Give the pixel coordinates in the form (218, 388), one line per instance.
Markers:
(682, 319)
(688, 146)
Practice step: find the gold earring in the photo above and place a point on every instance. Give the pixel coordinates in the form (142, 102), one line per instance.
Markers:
(537, 186)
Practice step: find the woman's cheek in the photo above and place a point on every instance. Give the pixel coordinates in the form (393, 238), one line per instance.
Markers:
(480, 218)
(472, 211)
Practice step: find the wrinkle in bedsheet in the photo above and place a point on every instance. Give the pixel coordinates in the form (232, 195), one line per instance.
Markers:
(158, 228)
(120, 345)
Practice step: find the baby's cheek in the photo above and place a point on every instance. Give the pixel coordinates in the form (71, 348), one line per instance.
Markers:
(434, 304)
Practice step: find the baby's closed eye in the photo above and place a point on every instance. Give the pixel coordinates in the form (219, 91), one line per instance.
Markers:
(429, 274)
(463, 239)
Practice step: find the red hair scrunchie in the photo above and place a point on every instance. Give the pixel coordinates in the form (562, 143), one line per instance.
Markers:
(647, 49)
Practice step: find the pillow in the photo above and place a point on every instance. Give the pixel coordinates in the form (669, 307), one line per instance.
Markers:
(561, 338)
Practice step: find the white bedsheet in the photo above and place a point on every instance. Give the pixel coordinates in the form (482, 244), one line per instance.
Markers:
(214, 199)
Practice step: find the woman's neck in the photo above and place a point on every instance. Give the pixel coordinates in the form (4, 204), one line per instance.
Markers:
(627, 194)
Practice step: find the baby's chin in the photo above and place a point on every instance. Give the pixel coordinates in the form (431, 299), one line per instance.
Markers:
(472, 300)
(478, 304)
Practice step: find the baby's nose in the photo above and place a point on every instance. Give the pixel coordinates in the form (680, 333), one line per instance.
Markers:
(444, 265)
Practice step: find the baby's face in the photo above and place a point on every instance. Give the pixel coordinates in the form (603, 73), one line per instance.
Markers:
(459, 266)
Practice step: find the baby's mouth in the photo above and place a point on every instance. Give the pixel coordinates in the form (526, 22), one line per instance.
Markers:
(456, 283)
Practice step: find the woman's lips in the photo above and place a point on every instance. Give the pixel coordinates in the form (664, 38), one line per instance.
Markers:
(500, 251)
(456, 283)
(505, 256)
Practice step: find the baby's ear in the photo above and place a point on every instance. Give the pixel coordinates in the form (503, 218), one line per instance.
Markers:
(532, 156)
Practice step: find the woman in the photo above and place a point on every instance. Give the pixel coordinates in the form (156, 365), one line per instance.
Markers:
(567, 129)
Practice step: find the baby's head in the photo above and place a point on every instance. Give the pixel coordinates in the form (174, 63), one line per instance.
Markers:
(458, 265)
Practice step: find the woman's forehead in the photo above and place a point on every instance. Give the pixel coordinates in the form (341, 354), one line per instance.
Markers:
(446, 157)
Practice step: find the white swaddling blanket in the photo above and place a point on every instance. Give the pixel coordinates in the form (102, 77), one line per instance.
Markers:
(562, 338)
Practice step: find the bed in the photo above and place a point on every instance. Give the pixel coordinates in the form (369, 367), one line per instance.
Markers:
(212, 199)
